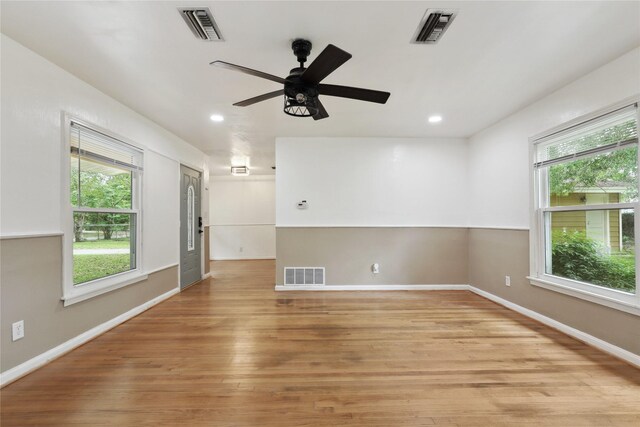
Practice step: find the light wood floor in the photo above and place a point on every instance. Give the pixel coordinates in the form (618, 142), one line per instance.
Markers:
(232, 352)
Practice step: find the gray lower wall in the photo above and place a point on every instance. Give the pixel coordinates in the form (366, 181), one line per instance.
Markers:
(421, 255)
(495, 253)
(31, 288)
(407, 255)
(31, 272)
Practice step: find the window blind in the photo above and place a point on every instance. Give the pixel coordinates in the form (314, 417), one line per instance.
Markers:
(100, 148)
(608, 132)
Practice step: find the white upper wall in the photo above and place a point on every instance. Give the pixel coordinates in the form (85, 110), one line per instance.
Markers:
(371, 181)
(238, 200)
(35, 93)
(243, 215)
(499, 194)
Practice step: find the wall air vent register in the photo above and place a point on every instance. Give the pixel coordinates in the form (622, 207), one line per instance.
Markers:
(303, 276)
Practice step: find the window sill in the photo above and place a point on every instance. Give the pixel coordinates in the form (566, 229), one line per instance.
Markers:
(88, 291)
(627, 307)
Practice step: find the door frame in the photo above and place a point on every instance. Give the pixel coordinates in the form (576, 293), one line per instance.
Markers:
(201, 235)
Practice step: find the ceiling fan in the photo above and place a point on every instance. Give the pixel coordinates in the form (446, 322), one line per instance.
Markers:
(302, 87)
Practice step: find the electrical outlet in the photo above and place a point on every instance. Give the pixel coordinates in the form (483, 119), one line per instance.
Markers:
(507, 280)
(241, 249)
(375, 268)
(17, 330)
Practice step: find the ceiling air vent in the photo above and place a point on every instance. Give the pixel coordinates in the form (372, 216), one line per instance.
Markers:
(201, 23)
(433, 26)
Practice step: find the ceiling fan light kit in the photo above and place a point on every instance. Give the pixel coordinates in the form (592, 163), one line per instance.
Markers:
(302, 86)
(305, 108)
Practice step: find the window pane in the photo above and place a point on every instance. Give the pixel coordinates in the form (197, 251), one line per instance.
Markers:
(606, 178)
(596, 247)
(103, 245)
(99, 147)
(191, 229)
(612, 129)
(75, 181)
(95, 185)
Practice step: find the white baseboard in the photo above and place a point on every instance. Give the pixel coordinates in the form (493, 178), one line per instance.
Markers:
(372, 287)
(239, 259)
(31, 365)
(206, 276)
(613, 350)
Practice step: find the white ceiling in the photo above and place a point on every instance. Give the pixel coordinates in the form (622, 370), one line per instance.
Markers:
(496, 58)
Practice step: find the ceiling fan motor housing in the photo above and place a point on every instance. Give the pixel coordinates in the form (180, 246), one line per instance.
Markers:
(300, 95)
(294, 85)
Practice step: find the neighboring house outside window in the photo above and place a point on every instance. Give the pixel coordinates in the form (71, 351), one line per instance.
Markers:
(104, 195)
(585, 187)
(608, 231)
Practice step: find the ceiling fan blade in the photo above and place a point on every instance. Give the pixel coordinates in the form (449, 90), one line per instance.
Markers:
(326, 63)
(322, 113)
(246, 70)
(259, 98)
(354, 93)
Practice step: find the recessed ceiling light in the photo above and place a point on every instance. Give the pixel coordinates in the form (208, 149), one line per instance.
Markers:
(217, 118)
(435, 119)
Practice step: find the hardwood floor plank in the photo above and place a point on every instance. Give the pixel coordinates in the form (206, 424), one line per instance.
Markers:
(232, 352)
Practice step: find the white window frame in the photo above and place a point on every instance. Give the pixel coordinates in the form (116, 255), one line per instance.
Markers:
(620, 300)
(71, 293)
